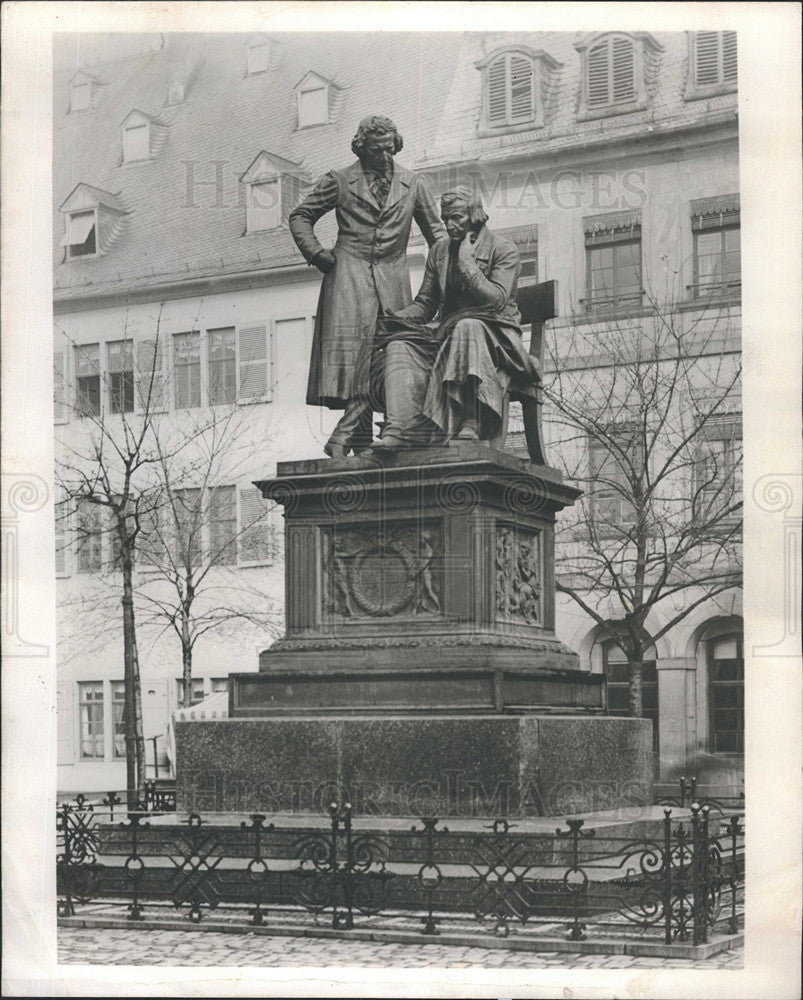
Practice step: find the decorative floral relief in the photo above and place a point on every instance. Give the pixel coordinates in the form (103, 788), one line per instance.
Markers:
(518, 575)
(381, 575)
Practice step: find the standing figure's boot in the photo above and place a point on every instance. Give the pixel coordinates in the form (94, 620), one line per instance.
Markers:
(353, 430)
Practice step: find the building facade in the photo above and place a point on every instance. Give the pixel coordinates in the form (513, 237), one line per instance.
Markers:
(610, 160)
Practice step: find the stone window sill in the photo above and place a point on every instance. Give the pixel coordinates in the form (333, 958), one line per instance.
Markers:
(591, 114)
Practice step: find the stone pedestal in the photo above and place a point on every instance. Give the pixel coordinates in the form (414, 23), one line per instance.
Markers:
(420, 651)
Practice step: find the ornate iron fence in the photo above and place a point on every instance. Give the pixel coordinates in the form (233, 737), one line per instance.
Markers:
(677, 878)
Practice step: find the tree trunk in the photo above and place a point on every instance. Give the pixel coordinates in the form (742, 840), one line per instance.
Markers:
(139, 734)
(186, 660)
(129, 684)
(134, 740)
(635, 668)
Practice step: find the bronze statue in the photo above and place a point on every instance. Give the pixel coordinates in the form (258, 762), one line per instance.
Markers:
(454, 355)
(366, 272)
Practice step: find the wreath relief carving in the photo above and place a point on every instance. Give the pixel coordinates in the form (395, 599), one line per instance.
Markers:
(378, 575)
(518, 575)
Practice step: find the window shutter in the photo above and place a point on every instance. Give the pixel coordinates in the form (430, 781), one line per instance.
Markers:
(597, 75)
(62, 536)
(521, 88)
(707, 58)
(497, 91)
(253, 351)
(150, 363)
(60, 409)
(65, 750)
(624, 64)
(729, 64)
(255, 539)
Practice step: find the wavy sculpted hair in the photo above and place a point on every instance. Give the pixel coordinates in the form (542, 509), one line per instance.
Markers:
(375, 125)
(473, 202)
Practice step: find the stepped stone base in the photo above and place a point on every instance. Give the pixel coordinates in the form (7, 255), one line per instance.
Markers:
(435, 765)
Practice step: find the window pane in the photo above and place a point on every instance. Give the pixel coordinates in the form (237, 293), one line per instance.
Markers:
(187, 365)
(118, 708)
(220, 684)
(725, 696)
(121, 376)
(264, 206)
(90, 700)
(222, 366)
(258, 58)
(136, 143)
(188, 524)
(88, 540)
(81, 96)
(223, 525)
(312, 107)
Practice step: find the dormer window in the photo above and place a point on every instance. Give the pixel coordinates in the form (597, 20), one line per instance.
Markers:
(80, 239)
(712, 64)
(312, 94)
(93, 220)
(512, 81)
(83, 91)
(257, 54)
(270, 183)
(264, 206)
(81, 96)
(136, 137)
(615, 71)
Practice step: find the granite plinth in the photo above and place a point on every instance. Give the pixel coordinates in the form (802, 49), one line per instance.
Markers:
(470, 765)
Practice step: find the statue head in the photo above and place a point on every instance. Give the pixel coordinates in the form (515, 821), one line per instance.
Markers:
(376, 142)
(461, 211)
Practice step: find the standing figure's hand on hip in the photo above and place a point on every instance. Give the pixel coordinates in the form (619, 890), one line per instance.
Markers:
(324, 260)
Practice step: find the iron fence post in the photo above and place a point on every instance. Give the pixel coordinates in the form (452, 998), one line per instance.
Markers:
(667, 876)
(733, 830)
(433, 879)
(134, 865)
(578, 890)
(257, 866)
(348, 872)
(705, 874)
(68, 907)
(334, 866)
(698, 902)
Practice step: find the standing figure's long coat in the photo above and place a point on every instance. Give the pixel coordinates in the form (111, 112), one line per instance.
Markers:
(370, 272)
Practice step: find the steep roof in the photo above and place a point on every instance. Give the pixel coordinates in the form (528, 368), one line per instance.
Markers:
(186, 215)
(666, 71)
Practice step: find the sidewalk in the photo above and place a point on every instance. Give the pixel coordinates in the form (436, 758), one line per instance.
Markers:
(94, 946)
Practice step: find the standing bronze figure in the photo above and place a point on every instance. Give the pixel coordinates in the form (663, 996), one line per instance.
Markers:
(375, 201)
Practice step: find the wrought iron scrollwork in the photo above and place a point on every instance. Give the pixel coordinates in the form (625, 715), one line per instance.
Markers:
(341, 872)
(196, 883)
(504, 889)
(77, 862)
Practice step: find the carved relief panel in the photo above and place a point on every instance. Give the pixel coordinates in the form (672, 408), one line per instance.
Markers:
(519, 575)
(370, 573)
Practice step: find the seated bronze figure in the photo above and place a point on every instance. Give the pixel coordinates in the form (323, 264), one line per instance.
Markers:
(455, 355)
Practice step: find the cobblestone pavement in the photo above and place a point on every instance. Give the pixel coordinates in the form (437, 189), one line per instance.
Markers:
(95, 946)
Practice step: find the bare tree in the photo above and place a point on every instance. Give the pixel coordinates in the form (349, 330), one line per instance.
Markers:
(192, 583)
(104, 477)
(647, 419)
(161, 480)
